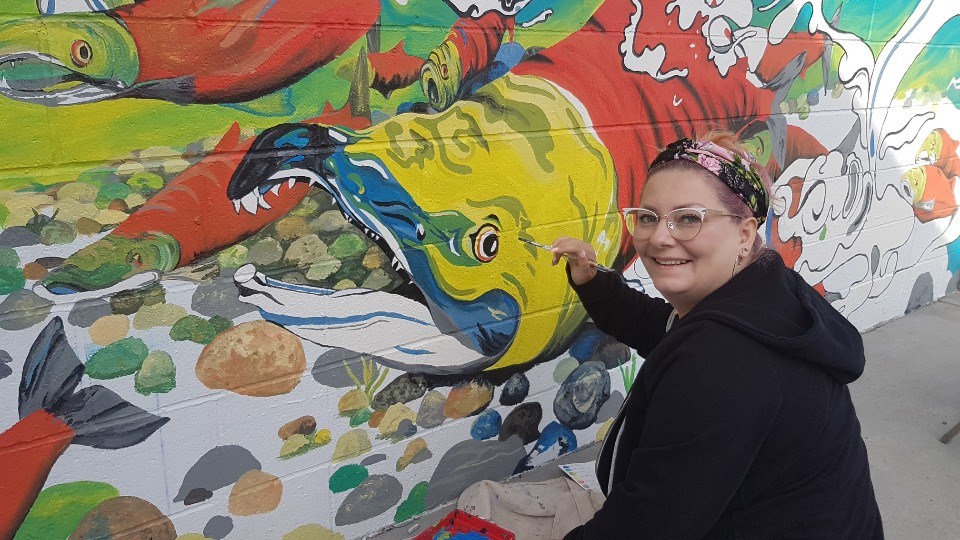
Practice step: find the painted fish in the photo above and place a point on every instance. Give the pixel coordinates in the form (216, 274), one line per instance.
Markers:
(54, 415)
(182, 51)
(189, 218)
(552, 148)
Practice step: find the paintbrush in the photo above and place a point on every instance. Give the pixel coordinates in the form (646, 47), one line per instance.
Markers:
(596, 265)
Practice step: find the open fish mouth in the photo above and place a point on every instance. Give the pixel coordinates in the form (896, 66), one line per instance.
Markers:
(36, 77)
(433, 327)
(257, 181)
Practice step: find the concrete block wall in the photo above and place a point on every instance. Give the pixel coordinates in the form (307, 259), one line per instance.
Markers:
(259, 263)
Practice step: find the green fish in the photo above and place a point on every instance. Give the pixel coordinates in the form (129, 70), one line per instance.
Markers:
(61, 61)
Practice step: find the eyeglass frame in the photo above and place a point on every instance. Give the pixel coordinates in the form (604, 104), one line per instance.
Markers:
(672, 225)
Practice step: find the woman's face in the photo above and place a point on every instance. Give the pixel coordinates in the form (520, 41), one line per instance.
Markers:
(687, 271)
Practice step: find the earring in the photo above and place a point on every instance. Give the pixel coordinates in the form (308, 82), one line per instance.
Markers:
(736, 265)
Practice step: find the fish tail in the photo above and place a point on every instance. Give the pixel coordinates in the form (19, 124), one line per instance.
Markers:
(53, 415)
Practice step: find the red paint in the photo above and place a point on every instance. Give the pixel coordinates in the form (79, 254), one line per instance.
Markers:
(477, 41)
(938, 191)
(246, 50)
(633, 114)
(194, 207)
(28, 451)
(394, 69)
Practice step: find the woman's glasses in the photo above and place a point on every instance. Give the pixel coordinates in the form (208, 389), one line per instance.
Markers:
(683, 223)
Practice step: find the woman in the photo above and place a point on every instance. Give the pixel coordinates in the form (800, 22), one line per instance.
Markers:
(740, 423)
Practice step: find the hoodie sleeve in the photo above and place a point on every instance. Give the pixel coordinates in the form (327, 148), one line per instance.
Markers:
(709, 412)
(628, 315)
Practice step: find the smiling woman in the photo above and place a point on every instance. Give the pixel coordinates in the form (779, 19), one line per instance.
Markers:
(739, 424)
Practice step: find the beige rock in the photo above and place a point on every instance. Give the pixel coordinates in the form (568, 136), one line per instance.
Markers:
(158, 152)
(106, 330)
(413, 448)
(88, 226)
(604, 429)
(345, 284)
(111, 217)
(374, 258)
(129, 168)
(255, 358)
(291, 227)
(175, 166)
(158, 315)
(351, 444)
(312, 531)
(28, 201)
(18, 217)
(192, 536)
(135, 200)
(378, 279)
(325, 266)
(77, 192)
(395, 414)
(293, 444)
(352, 401)
(70, 210)
(256, 492)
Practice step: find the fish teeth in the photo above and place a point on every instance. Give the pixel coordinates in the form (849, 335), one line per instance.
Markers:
(275, 189)
(291, 182)
(250, 202)
(236, 205)
(262, 202)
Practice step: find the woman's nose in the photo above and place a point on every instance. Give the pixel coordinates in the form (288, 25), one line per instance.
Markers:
(661, 233)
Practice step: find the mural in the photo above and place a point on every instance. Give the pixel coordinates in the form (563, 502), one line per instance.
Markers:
(263, 268)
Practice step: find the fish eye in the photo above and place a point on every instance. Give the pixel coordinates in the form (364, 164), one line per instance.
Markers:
(136, 260)
(81, 53)
(486, 243)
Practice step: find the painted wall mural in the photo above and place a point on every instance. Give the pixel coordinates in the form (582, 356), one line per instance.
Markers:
(259, 263)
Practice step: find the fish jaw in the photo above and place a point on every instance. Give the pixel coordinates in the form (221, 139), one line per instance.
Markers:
(59, 61)
(112, 259)
(448, 212)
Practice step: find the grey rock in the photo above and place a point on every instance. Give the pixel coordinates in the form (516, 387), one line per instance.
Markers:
(431, 414)
(405, 388)
(922, 293)
(219, 467)
(610, 409)
(375, 458)
(469, 462)
(18, 237)
(515, 389)
(374, 496)
(581, 395)
(5, 370)
(5, 357)
(524, 422)
(328, 369)
(87, 312)
(306, 250)
(611, 353)
(218, 527)
(22, 309)
(197, 495)
(405, 428)
(219, 297)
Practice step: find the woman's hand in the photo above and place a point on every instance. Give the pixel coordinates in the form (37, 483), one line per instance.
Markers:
(579, 254)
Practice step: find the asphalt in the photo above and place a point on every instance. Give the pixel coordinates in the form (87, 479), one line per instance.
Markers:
(908, 402)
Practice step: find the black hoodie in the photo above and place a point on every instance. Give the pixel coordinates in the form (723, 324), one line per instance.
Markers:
(739, 424)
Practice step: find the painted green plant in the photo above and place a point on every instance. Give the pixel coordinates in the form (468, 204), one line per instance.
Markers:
(373, 377)
(629, 373)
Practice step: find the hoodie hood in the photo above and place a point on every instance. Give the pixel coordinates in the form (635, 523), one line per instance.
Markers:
(773, 305)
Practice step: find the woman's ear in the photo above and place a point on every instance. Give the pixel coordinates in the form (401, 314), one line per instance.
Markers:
(748, 231)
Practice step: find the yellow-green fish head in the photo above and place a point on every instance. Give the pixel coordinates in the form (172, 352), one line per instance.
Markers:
(66, 59)
(447, 195)
(931, 148)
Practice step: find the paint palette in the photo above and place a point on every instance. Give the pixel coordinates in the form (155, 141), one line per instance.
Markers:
(460, 525)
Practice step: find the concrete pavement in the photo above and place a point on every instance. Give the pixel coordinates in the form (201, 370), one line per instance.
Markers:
(907, 399)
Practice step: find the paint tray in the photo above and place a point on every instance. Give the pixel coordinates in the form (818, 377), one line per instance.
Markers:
(459, 524)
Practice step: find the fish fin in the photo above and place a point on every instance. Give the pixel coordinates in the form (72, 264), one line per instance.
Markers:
(780, 85)
(51, 371)
(180, 90)
(102, 419)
